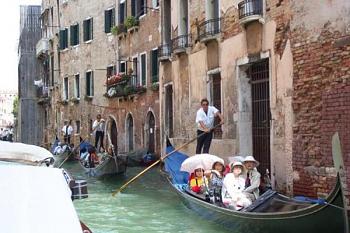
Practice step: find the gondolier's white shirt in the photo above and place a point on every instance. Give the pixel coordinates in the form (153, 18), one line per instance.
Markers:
(98, 125)
(208, 119)
(69, 131)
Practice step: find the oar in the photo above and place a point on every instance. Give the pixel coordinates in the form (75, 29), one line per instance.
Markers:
(156, 162)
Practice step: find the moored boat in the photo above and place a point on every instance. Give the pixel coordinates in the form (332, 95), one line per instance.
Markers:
(272, 212)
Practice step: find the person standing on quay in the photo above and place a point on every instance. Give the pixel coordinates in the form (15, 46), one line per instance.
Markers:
(98, 127)
(205, 123)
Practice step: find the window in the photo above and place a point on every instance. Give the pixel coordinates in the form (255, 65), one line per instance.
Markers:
(169, 110)
(109, 20)
(88, 29)
(89, 84)
(74, 34)
(138, 8)
(77, 123)
(215, 100)
(122, 67)
(154, 65)
(77, 86)
(65, 89)
(143, 69)
(135, 72)
(110, 71)
(155, 3)
(122, 11)
(52, 66)
(64, 38)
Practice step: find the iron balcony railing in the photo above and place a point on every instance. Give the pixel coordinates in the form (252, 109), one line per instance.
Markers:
(250, 7)
(209, 27)
(164, 51)
(181, 42)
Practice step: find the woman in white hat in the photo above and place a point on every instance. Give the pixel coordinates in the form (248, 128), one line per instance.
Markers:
(233, 186)
(252, 180)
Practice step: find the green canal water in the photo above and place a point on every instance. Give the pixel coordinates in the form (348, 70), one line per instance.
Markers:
(148, 205)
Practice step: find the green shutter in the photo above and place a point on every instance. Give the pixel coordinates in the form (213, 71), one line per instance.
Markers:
(113, 18)
(155, 66)
(77, 34)
(66, 38)
(85, 30)
(61, 39)
(143, 65)
(71, 28)
(92, 83)
(107, 22)
(91, 29)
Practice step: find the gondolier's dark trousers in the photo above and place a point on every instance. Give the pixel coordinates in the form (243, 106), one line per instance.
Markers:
(99, 137)
(203, 141)
(67, 139)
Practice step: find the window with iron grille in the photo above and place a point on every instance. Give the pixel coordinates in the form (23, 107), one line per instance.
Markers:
(74, 34)
(109, 20)
(65, 89)
(154, 65)
(89, 84)
(215, 99)
(77, 86)
(64, 38)
(143, 69)
(88, 29)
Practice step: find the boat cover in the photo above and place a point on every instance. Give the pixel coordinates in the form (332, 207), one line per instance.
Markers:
(36, 200)
(173, 164)
(21, 151)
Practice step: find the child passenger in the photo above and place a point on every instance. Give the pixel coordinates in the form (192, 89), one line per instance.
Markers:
(216, 176)
(233, 186)
(198, 182)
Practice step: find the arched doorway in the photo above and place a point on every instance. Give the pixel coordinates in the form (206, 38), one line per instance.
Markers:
(130, 132)
(150, 132)
(113, 132)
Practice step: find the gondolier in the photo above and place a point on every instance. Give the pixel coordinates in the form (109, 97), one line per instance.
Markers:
(205, 122)
(67, 131)
(98, 127)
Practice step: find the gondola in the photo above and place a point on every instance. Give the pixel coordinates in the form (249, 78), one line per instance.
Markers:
(272, 212)
(109, 166)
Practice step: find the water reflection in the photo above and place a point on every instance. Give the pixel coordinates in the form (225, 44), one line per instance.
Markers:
(147, 205)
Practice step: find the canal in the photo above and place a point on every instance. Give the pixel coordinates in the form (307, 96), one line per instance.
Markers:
(147, 205)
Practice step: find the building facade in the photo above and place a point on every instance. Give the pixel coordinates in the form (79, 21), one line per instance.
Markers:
(6, 108)
(102, 59)
(277, 70)
(30, 113)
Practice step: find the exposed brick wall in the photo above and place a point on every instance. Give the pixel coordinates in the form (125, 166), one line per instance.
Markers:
(321, 106)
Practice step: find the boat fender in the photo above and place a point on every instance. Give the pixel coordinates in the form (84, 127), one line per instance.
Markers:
(79, 190)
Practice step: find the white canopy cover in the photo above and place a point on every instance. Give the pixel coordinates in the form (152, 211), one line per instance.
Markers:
(36, 200)
(20, 151)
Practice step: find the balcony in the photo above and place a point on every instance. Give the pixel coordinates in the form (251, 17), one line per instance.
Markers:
(120, 31)
(164, 52)
(209, 29)
(180, 43)
(42, 93)
(250, 10)
(123, 86)
(42, 47)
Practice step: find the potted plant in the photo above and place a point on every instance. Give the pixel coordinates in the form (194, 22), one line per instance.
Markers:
(115, 30)
(155, 86)
(131, 22)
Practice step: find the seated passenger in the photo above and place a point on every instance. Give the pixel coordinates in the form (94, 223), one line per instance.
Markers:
(216, 176)
(93, 159)
(198, 182)
(252, 181)
(233, 186)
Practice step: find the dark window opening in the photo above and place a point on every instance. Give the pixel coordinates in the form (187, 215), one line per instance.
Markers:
(88, 29)
(74, 35)
(154, 65)
(109, 20)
